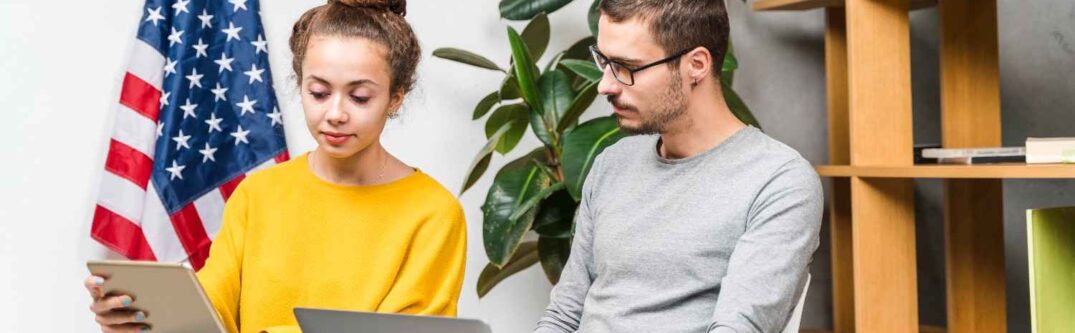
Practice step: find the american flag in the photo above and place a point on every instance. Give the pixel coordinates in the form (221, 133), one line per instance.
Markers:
(197, 112)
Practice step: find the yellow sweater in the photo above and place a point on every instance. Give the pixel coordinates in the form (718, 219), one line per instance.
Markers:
(290, 239)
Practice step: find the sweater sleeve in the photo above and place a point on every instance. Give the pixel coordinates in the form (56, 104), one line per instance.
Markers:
(769, 263)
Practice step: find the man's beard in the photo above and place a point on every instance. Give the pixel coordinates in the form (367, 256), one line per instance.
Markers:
(671, 105)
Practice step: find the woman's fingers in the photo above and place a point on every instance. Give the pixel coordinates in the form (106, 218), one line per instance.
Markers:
(113, 318)
(93, 285)
(104, 305)
(113, 312)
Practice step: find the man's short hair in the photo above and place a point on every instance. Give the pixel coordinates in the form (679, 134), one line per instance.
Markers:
(678, 25)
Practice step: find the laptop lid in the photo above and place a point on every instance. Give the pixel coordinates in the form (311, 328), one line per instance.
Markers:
(335, 321)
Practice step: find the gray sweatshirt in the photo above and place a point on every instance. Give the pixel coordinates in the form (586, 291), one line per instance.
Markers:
(717, 242)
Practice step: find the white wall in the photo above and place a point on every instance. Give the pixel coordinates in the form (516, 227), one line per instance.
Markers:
(61, 63)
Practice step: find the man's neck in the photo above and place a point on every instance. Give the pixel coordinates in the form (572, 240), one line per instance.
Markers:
(707, 123)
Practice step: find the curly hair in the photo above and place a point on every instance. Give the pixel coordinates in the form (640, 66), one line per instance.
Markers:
(380, 21)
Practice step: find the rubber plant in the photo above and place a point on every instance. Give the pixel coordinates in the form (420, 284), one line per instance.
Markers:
(540, 191)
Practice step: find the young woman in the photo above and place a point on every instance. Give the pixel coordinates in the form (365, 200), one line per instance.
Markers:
(346, 226)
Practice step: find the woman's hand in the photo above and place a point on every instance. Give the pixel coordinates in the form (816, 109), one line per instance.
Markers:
(113, 311)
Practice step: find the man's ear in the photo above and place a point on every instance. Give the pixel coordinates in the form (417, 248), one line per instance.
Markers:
(699, 64)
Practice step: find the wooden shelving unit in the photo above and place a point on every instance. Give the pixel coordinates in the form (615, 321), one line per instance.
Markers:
(764, 5)
(988, 171)
(923, 329)
(868, 69)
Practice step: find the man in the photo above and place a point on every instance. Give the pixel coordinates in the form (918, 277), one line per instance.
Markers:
(701, 224)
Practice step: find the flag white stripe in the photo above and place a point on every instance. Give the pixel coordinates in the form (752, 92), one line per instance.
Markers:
(210, 207)
(262, 166)
(135, 130)
(157, 227)
(121, 196)
(147, 64)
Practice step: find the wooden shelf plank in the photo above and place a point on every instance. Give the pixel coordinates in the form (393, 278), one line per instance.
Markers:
(769, 5)
(840, 241)
(984, 171)
(973, 208)
(883, 264)
(762, 5)
(922, 329)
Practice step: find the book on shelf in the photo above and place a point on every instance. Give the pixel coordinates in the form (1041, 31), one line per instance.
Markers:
(982, 159)
(1050, 150)
(935, 155)
(919, 159)
(973, 152)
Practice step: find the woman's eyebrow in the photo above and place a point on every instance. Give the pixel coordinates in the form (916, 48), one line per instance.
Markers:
(352, 83)
(362, 82)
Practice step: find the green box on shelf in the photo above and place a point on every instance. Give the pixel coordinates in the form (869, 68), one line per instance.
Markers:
(1051, 254)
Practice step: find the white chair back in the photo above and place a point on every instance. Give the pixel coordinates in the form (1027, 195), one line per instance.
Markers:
(797, 313)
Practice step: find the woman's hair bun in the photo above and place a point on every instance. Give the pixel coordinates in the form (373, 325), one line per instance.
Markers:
(396, 6)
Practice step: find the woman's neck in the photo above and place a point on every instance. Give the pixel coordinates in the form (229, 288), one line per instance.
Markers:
(367, 167)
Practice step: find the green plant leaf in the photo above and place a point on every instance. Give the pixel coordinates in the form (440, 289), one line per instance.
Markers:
(556, 215)
(727, 71)
(581, 49)
(730, 63)
(509, 89)
(547, 169)
(554, 62)
(533, 201)
(518, 10)
(525, 256)
(481, 161)
(553, 253)
(581, 147)
(593, 16)
(585, 69)
(513, 115)
(486, 104)
(555, 88)
(536, 35)
(582, 102)
(514, 184)
(525, 71)
(466, 57)
(578, 83)
(736, 104)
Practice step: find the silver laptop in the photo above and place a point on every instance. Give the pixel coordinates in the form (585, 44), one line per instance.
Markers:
(334, 321)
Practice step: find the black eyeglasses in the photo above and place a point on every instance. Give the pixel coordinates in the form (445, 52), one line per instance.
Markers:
(624, 73)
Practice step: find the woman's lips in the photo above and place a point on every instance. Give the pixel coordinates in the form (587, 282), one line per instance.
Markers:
(336, 139)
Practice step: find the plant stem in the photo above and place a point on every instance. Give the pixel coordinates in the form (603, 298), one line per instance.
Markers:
(554, 161)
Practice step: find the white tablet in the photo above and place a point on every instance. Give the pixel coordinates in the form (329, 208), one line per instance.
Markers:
(169, 294)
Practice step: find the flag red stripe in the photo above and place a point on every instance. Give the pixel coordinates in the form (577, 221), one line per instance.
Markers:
(283, 157)
(197, 259)
(188, 226)
(140, 96)
(120, 235)
(229, 187)
(129, 163)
